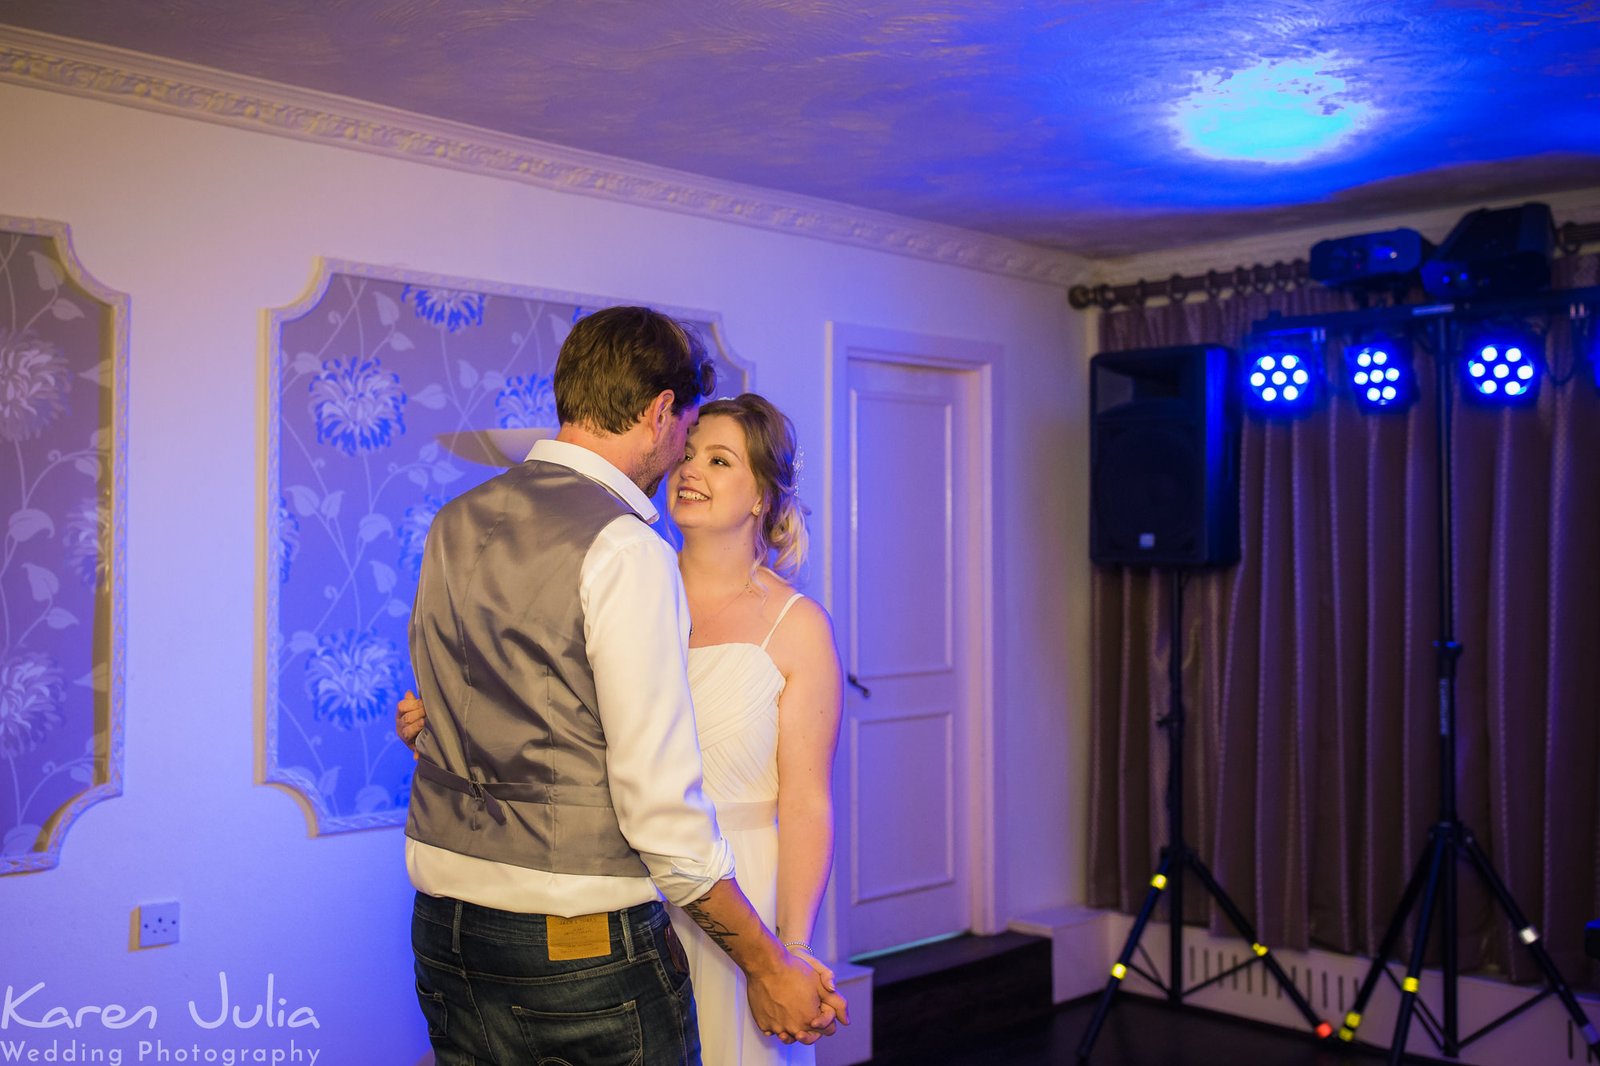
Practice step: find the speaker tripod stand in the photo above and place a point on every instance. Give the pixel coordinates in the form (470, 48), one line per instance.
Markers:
(1178, 859)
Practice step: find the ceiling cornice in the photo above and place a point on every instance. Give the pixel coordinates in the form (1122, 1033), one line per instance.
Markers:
(115, 75)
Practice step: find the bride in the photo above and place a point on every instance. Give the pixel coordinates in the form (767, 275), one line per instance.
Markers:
(765, 677)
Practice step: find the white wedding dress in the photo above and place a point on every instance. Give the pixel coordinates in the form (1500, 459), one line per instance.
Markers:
(736, 689)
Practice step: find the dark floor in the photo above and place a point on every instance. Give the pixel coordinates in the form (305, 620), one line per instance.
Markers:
(1142, 1032)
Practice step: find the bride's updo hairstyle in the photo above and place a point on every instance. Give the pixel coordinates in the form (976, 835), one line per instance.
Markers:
(769, 442)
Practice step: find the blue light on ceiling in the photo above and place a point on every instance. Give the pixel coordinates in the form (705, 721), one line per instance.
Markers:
(1278, 111)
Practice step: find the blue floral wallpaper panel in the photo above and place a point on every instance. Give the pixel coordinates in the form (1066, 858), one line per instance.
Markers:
(377, 379)
(62, 433)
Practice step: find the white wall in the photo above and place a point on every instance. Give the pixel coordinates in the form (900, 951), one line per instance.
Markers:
(204, 226)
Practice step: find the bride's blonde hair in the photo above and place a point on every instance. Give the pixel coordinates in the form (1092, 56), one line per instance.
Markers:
(769, 442)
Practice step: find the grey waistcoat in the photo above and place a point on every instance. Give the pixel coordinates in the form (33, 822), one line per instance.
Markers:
(513, 762)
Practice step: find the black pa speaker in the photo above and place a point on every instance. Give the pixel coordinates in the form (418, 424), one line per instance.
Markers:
(1164, 457)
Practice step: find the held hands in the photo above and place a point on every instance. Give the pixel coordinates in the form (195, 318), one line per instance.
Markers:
(797, 1001)
(409, 719)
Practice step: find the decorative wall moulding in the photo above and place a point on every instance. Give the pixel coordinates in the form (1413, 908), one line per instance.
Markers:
(119, 76)
(387, 393)
(63, 434)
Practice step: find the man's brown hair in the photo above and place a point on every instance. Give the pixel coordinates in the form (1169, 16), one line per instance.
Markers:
(615, 361)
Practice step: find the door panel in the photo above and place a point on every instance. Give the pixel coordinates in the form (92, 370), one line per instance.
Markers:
(901, 442)
(909, 743)
(910, 842)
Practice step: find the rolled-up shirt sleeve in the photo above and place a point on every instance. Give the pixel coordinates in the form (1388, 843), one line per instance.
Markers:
(636, 624)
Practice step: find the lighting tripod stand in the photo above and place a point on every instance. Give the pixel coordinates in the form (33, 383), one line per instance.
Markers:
(1434, 881)
(1177, 859)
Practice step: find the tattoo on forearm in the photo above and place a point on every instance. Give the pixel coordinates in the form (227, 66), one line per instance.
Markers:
(719, 933)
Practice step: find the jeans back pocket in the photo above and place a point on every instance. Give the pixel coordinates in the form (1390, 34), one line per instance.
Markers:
(609, 1037)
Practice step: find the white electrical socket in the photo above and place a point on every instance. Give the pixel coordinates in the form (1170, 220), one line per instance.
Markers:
(158, 924)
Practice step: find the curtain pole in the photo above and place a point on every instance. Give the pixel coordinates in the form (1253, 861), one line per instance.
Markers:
(1570, 238)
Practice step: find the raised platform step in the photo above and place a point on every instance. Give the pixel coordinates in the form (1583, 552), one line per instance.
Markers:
(927, 996)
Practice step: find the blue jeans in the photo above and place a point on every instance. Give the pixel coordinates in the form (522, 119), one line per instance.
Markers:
(491, 994)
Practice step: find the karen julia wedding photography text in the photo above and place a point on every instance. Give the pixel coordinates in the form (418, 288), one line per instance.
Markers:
(220, 1029)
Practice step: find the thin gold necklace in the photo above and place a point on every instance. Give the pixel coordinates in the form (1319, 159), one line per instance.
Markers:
(749, 586)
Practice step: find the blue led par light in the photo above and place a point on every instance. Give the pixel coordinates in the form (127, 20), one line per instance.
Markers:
(1283, 374)
(1381, 374)
(1502, 364)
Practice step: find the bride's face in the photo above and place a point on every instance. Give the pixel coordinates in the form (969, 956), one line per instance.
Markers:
(714, 487)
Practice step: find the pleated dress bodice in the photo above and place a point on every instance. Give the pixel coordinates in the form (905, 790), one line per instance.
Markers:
(736, 689)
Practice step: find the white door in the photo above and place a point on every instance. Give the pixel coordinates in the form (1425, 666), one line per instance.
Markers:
(913, 493)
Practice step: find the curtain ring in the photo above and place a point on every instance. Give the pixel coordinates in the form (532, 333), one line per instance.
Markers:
(1175, 290)
(1106, 297)
(1214, 283)
(1567, 238)
(1140, 293)
(1260, 279)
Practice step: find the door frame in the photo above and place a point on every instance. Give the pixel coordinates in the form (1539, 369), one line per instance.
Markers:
(980, 359)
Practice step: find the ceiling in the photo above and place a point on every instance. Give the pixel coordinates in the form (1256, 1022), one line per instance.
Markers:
(1098, 127)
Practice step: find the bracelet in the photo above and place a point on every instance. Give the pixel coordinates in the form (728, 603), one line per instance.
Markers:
(802, 945)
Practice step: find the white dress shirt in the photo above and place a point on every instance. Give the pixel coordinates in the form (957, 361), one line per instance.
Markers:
(636, 627)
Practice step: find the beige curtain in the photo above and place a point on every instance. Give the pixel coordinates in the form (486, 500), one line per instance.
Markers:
(1310, 676)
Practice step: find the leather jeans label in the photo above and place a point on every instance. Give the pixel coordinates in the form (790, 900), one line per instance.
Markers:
(588, 936)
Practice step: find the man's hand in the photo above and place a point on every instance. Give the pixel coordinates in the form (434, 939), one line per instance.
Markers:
(409, 718)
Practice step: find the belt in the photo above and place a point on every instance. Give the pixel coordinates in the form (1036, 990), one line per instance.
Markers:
(482, 791)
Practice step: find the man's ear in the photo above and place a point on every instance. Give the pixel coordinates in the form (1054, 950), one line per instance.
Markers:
(661, 410)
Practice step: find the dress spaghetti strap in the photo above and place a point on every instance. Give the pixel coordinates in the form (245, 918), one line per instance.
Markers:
(779, 622)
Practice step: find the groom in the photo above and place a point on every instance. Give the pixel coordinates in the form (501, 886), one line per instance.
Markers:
(557, 794)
